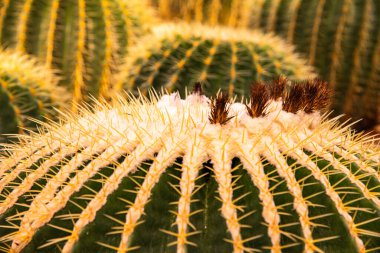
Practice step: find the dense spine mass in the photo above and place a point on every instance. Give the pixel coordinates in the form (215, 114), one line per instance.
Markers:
(84, 40)
(27, 90)
(195, 175)
(341, 38)
(176, 56)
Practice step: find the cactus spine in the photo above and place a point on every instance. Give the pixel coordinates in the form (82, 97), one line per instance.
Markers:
(195, 175)
(178, 55)
(340, 38)
(83, 39)
(26, 90)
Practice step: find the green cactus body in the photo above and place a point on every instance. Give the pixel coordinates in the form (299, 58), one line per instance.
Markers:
(176, 56)
(27, 90)
(84, 40)
(212, 12)
(341, 38)
(158, 176)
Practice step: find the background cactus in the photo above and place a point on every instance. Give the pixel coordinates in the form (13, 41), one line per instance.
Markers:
(176, 56)
(26, 90)
(212, 12)
(195, 175)
(340, 38)
(83, 39)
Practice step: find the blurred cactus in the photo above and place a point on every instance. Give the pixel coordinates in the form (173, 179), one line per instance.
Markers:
(212, 12)
(341, 38)
(85, 40)
(27, 90)
(195, 175)
(176, 56)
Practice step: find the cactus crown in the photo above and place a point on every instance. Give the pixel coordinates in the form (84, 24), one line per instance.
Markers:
(27, 89)
(176, 56)
(340, 38)
(194, 175)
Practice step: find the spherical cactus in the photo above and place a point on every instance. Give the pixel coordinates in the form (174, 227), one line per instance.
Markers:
(340, 38)
(84, 39)
(27, 90)
(195, 175)
(179, 55)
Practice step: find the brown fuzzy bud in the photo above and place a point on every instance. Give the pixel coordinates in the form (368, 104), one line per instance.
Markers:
(277, 87)
(294, 99)
(258, 99)
(309, 96)
(198, 88)
(317, 94)
(219, 110)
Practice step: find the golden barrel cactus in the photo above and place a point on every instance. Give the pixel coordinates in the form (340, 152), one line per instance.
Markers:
(27, 90)
(195, 175)
(178, 55)
(85, 40)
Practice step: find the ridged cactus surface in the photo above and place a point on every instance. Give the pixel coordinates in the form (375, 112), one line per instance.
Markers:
(213, 12)
(84, 39)
(176, 56)
(195, 175)
(27, 90)
(341, 38)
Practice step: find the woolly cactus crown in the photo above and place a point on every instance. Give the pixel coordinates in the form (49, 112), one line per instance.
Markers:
(195, 175)
(340, 38)
(177, 55)
(27, 89)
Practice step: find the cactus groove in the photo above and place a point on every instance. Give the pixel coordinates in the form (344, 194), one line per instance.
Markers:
(340, 38)
(195, 175)
(176, 56)
(85, 40)
(27, 89)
